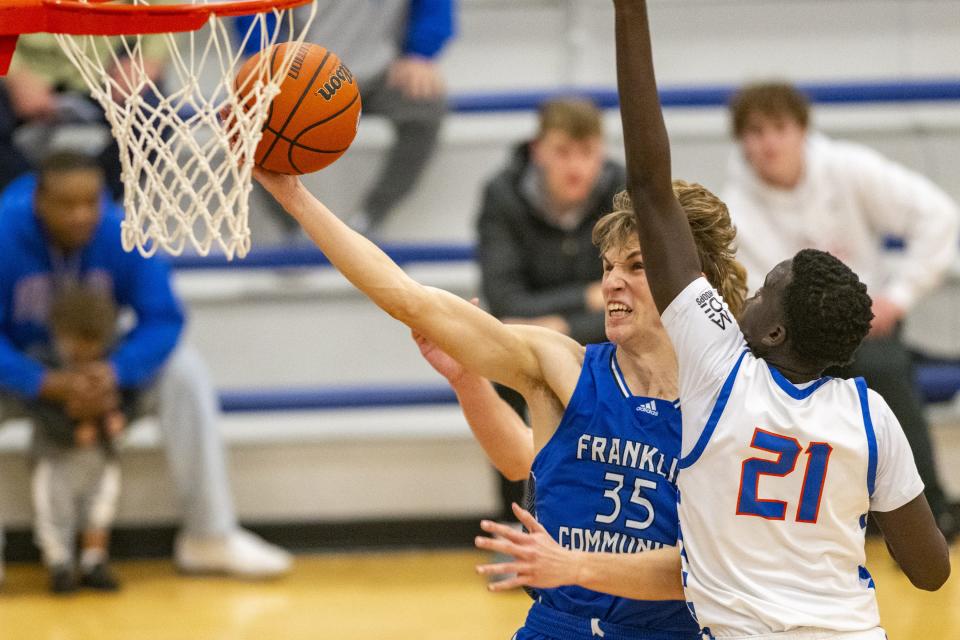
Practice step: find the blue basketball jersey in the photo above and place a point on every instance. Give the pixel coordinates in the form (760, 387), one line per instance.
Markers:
(607, 481)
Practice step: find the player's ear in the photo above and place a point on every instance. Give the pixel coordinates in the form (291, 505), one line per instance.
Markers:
(776, 337)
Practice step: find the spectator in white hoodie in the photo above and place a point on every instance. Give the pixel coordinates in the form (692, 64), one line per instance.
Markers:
(789, 188)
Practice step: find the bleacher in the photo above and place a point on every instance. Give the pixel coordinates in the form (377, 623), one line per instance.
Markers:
(331, 416)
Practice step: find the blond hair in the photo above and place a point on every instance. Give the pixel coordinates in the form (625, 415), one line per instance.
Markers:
(713, 233)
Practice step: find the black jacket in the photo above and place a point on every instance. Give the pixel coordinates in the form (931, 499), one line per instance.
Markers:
(531, 267)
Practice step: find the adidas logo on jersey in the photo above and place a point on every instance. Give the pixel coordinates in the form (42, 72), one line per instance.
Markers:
(649, 407)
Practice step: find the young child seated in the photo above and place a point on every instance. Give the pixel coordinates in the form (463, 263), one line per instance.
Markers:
(76, 476)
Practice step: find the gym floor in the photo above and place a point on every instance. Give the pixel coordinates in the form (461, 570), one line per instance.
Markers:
(383, 596)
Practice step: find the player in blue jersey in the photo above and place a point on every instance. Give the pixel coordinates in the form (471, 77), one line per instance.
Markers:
(768, 551)
(604, 419)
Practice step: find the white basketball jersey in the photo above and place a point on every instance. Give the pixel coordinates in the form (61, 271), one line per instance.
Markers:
(775, 484)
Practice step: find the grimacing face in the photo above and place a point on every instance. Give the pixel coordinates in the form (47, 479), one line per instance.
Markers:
(570, 166)
(626, 294)
(763, 311)
(774, 146)
(68, 205)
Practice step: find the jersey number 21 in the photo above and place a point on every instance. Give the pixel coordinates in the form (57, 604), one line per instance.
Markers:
(787, 450)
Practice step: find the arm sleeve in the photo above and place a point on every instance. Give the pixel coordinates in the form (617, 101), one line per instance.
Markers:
(898, 481)
(431, 25)
(708, 343)
(159, 320)
(502, 261)
(903, 203)
(19, 373)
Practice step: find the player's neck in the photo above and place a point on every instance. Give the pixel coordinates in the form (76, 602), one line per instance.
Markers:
(793, 371)
(650, 368)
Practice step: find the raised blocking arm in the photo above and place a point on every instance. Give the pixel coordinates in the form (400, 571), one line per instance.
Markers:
(669, 253)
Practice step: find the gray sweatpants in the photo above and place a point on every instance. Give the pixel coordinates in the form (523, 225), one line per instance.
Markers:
(74, 490)
(185, 402)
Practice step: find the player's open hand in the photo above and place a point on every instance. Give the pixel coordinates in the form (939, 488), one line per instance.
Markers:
(538, 561)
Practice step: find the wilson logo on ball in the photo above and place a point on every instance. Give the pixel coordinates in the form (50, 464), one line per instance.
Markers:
(337, 79)
(297, 63)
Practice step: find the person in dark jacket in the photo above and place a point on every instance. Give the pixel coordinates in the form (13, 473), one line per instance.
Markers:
(60, 226)
(537, 259)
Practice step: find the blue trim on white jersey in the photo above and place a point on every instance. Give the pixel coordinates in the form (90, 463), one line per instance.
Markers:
(865, 578)
(693, 456)
(792, 390)
(871, 436)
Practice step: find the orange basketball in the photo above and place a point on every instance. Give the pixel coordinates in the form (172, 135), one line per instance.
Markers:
(314, 118)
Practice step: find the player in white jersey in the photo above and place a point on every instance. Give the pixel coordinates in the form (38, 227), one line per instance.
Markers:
(779, 465)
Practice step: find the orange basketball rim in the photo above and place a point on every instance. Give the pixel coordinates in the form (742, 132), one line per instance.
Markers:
(109, 18)
(186, 172)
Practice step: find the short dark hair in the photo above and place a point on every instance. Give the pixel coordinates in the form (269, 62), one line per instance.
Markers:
(579, 118)
(773, 99)
(827, 310)
(61, 161)
(83, 312)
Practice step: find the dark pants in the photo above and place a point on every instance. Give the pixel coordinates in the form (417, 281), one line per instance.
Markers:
(887, 367)
(511, 491)
(416, 124)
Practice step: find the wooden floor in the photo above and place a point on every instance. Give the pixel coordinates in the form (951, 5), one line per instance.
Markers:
(400, 596)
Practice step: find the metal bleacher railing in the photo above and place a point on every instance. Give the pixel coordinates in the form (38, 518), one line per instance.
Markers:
(938, 382)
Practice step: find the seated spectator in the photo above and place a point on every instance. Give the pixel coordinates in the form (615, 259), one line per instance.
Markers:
(391, 47)
(76, 477)
(789, 189)
(537, 259)
(58, 226)
(43, 88)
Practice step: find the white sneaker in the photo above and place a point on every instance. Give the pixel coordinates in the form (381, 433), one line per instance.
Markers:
(240, 553)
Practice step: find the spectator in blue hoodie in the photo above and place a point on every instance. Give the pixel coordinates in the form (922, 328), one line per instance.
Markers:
(60, 227)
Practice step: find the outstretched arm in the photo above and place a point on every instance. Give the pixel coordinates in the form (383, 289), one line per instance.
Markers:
(541, 563)
(472, 336)
(506, 440)
(669, 254)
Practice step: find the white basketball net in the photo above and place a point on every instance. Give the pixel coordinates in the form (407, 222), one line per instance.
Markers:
(186, 172)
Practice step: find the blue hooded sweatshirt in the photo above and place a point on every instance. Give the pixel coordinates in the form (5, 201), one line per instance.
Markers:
(27, 279)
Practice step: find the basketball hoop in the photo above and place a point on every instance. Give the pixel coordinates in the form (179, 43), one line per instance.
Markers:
(186, 172)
